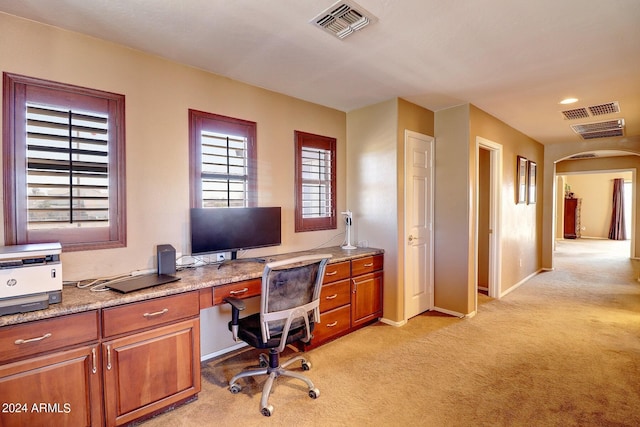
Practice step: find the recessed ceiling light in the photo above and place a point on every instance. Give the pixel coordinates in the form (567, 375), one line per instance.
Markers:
(568, 101)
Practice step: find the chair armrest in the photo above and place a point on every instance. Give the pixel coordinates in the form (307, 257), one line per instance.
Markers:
(236, 303)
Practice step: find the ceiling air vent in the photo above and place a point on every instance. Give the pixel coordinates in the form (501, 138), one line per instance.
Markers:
(343, 19)
(608, 108)
(591, 111)
(604, 129)
(576, 113)
(583, 156)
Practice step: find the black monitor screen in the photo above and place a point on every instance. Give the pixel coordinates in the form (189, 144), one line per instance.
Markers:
(233, 229)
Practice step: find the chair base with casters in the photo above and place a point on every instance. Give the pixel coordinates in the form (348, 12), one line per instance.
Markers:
(289, 310)
(270, 366)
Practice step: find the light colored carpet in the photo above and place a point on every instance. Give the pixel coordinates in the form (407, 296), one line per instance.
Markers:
(561, 350)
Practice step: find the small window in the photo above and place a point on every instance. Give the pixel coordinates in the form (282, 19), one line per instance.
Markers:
(223, 152)
(65, 180)
(315, 182)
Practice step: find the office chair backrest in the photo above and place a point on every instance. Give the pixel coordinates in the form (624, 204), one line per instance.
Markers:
(291, 295)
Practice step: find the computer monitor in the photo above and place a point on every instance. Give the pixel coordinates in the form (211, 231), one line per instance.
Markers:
(232, 229)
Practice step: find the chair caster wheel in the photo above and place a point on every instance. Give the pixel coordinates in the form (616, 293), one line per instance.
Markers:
(263, 361)
(235, 389)
(314, 393)
(306, 366)
(267, 411)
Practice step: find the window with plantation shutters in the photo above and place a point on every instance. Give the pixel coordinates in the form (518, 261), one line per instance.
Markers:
(67, 168)
(66, 180)
(222, 150)
(315, 182)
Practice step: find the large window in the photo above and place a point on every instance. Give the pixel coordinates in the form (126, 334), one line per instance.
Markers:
(64, 165)
(315, 182)
(223, 153)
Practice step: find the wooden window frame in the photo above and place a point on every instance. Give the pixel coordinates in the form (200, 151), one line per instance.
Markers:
(302, 140)
(18, 91)
(199, 121)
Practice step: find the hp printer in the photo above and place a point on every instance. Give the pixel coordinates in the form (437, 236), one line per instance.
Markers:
(30, 277)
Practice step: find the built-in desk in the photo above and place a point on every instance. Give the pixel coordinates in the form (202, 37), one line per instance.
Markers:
(90, 346)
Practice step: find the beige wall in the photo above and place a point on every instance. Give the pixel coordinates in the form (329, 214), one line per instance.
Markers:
(521, 224)
(452, 230)
(555, 159)
(567, 169)
(158, 96)
(375, 185)
(595, 190)
(456, 132)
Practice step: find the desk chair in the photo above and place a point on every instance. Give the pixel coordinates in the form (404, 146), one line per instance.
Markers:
(289, 307)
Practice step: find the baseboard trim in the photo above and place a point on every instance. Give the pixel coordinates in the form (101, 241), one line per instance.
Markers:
(520, 283)
(449, 312)
(205, 357)
(393, 323)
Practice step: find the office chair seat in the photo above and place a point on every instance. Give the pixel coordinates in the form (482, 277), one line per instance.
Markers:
(250, 331)
(289, 308)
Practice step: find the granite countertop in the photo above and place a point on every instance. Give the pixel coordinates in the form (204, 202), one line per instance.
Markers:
(76, 300)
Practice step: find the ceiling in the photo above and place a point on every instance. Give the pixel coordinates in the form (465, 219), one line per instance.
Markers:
(513, 59)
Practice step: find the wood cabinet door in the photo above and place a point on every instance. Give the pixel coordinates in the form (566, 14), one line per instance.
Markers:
(366, 298)
(59, 389)
(150, 370)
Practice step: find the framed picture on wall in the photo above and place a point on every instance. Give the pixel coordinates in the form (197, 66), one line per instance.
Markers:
(531, 197)
(521, 181)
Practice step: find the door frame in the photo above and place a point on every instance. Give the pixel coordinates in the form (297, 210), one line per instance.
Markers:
(430, 207)
(495, 247)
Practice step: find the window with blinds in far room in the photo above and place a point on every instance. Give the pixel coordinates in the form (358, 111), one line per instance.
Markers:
(223, 152)
(65, 181)
(315, 182)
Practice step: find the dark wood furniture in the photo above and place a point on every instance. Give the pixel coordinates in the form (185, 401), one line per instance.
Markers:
(110, 359)
(570, 218)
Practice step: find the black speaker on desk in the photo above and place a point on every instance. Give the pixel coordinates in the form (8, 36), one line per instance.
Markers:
(166, 259)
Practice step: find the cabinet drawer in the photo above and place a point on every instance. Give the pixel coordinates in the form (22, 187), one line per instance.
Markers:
(331, 324)
(30, 338)
(335, 295)
(246, 289)
(141, 315)
(366, 265)
(337, 271)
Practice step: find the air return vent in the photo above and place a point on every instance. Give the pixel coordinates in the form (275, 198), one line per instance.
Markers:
(583, 156)
(604, 129)
(608, 108)
(591, 111)
(343, 19)
(576, 113)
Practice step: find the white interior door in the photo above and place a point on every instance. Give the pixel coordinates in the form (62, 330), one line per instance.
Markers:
(418, 230)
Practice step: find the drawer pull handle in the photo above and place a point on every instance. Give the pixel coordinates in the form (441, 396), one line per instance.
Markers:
(370, 264)
(21, 341)
(108, 357)
(93, 354)
(331, 325)
(239, 292)
(157, 313)
(331, 273)
(334, 296)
